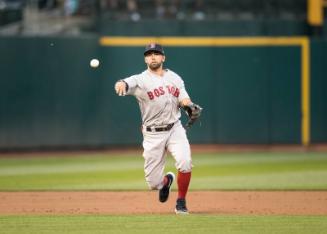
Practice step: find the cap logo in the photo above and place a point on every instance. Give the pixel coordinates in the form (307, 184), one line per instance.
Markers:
(152, 45)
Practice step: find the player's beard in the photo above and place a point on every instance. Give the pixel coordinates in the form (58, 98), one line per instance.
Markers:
(155, 66)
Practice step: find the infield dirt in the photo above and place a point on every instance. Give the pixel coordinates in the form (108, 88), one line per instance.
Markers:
(199, 202)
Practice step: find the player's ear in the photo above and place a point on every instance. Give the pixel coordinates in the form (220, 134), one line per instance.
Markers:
(163, 58)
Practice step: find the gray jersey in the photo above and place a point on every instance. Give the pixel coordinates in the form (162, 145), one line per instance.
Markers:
(158, 96)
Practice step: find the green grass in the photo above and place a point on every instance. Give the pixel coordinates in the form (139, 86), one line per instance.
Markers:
(224, 171)
(156, 224)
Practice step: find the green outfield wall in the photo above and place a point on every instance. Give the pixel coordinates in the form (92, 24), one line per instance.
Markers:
(51, 98)
(319, 91)
(150, 27)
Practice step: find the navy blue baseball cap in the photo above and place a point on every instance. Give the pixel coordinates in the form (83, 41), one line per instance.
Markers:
(154, 47)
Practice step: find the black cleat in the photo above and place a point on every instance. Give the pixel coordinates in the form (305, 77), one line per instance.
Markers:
(164, 191)
(181, 207)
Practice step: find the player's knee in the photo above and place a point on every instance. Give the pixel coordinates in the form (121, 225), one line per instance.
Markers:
(153, 183)
(185, 165)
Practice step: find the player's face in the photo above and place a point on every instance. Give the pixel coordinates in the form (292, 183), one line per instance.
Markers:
(154, 60)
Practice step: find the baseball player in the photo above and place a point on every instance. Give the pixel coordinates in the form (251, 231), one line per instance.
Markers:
(161, 93)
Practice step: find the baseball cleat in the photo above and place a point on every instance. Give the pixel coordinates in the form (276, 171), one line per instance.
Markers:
(181, 207)
(164, 191)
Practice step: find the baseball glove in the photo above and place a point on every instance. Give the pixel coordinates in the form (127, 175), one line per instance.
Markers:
(193, 111)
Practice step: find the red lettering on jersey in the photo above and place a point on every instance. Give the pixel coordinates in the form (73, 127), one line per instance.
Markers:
(176, 93)
(172, 90)
(162, 91)
(156, 92)
(150, 94)
(168, 87)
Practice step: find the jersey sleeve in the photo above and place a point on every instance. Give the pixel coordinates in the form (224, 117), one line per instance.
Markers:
(132, 83)
(182, 91)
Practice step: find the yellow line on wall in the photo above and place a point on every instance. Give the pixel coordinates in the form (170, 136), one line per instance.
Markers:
(200, 41)
(305, 91)
(302, 42)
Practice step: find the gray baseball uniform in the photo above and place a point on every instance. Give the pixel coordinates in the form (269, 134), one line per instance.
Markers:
(158, 98)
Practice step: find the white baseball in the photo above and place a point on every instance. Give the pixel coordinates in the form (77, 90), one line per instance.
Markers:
(94, 63)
